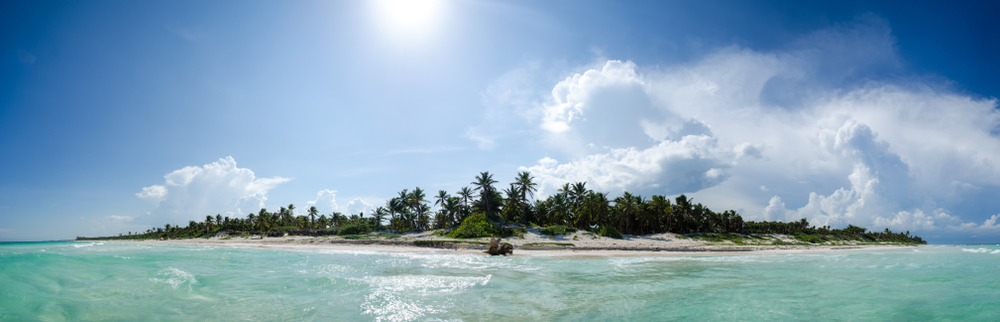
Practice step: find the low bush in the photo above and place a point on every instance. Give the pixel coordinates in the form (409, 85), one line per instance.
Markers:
(475, 226)
(557, 230)
(811, 238)
(549, 244)
(608, 231)
(355, 229)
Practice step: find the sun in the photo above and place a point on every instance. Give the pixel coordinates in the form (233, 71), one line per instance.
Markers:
(408, 18)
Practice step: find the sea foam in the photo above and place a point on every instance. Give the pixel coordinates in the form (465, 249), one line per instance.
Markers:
(174, 277)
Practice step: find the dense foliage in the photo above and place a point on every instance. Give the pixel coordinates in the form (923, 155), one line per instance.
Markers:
(474, 227)
(557, 230)
(572, 207)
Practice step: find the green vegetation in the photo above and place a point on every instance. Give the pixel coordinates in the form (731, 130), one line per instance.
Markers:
(609, 231)
(355, 229)
(436, 243)
(476, 226)
(557, 230)
(545, 244)
(723, 238)
(484, 210)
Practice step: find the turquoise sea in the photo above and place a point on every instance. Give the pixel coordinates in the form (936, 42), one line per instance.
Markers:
(108, 281)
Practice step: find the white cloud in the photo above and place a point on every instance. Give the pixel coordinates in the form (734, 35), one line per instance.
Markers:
(325, 197)
(119, 219)
(193, 192)
(775, 210)
(992, 222)
(572, 96)
(691, 164)
(357, 206)
(154, 193)
(814, 122)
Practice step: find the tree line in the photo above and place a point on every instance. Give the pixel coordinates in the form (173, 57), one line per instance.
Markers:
(573, 205)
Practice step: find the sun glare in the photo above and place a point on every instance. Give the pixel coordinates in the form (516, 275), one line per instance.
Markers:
(409, 17)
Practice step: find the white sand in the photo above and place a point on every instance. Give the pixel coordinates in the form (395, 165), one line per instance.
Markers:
(533, 244)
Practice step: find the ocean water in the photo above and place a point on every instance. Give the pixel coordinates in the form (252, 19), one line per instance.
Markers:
(107, 281)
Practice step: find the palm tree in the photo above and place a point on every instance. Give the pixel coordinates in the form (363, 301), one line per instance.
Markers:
(263, 221)
(512, 206)
(441, 197)
(557, 210)
(484, 185)
(416, 202)
(380, 213)
(291, 215)
(415, 198)
(452, 209)
(526, 185)
(465, 193)
(208, 223)
(423, 220)
(312, 215)
(283, 217)
(323, 221)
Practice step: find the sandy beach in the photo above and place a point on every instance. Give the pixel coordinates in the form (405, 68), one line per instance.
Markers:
(579, 244)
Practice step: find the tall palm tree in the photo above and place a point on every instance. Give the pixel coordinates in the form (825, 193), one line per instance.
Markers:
(423, 220)
(441, 197)
(512, 206)
(263, 221)
(484, 185)
(379, 215)
(283, 216)
(208, 223)
(323, 221)
(465, 193)
(526, 187)
(452, 207)
(579, 191)
(291, 215)
(416, 202)
(392, 206)
(312, 215)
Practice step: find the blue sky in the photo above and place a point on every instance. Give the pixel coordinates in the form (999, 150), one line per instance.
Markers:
(119, 116)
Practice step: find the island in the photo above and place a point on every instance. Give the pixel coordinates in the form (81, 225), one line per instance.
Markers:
(574, 218)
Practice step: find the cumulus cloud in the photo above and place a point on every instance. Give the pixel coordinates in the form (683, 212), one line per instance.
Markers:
(357, 206)
(154, 193)
(690, 164)
(775, 210)
(193, 192)
(815, 130)
(325, 197)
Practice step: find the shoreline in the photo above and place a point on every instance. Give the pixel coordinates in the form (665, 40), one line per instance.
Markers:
(528, 246)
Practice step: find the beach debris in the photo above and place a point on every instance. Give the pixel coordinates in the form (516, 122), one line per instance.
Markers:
(499, 249)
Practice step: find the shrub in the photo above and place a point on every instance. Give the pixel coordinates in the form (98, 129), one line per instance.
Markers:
(557, 230)
(608, 231)
(811, 238)
(475, 226)
(355, 229)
